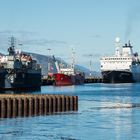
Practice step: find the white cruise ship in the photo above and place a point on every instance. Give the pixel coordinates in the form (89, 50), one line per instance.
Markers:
(122, 67)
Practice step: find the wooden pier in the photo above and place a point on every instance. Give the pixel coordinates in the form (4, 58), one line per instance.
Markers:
(23, 105)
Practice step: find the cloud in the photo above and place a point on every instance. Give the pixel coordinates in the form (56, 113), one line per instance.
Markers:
(42, 42)
(133, 16)
(96, 36)
(17, 33)
(97, 55)
(27, 38)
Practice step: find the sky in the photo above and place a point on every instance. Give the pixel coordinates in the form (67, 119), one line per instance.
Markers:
(88, 26)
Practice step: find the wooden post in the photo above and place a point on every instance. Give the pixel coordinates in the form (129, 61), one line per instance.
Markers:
(9, 108)
(15, 107)
(36, 106)
(26, 106)
(75, 103)
(3, 108)
(31, 106)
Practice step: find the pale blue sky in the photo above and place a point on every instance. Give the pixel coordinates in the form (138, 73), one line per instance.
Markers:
(90, 26)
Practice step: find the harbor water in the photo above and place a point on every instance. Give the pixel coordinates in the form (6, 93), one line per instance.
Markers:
(106, 112)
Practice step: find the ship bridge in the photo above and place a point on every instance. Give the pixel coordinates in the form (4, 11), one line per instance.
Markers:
(127, 50)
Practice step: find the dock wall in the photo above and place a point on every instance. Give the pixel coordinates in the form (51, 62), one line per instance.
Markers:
(22, 105)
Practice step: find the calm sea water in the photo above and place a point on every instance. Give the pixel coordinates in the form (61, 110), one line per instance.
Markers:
(102, 115)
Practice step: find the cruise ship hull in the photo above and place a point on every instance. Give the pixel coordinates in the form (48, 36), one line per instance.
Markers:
(66, 80)
(117, 77)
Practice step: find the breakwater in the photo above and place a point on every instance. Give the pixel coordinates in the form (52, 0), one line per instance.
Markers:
(23, 105)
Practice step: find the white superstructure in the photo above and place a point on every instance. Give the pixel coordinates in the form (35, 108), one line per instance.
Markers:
(123, 60)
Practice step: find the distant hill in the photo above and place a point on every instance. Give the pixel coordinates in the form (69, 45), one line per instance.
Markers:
(45, 61)
(87, 71)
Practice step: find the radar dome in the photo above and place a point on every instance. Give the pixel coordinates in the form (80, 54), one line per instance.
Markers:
(117, 39)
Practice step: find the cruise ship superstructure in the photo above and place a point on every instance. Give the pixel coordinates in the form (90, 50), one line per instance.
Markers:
(122, 67)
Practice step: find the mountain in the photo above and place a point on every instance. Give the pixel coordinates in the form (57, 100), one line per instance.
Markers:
(48, 61)
(87, 71)
(43, 60)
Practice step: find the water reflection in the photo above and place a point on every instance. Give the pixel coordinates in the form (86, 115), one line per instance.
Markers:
(105, 112)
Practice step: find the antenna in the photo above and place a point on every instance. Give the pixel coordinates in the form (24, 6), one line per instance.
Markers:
(90, 64)
(73, 59)
(11, 49)
(13, 41)
(117, 44)
(49, 64)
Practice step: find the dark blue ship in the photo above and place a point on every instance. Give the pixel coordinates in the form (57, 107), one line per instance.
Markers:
(19, 70)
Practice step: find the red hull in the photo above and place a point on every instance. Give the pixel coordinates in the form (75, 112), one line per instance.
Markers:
(65, 80)
(62, 79)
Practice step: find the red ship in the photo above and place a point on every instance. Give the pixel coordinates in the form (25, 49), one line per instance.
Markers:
(62, 79)
(67, 76)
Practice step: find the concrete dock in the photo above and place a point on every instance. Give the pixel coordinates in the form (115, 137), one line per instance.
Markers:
(46, 81)
(23, 105)
(94, 80)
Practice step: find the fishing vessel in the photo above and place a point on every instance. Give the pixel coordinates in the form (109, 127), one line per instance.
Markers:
(67, 75)
(122, 67)
(19, 70)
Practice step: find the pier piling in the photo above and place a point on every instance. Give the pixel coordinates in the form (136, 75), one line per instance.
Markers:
(23, 105)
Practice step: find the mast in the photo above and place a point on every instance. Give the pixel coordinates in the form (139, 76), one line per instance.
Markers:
(49, 64)
(73, 59)
(90, 64)
(11, 49)
(117, 44)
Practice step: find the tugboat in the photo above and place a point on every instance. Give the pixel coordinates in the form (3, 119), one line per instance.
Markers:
(123, 67)
(19, 70)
